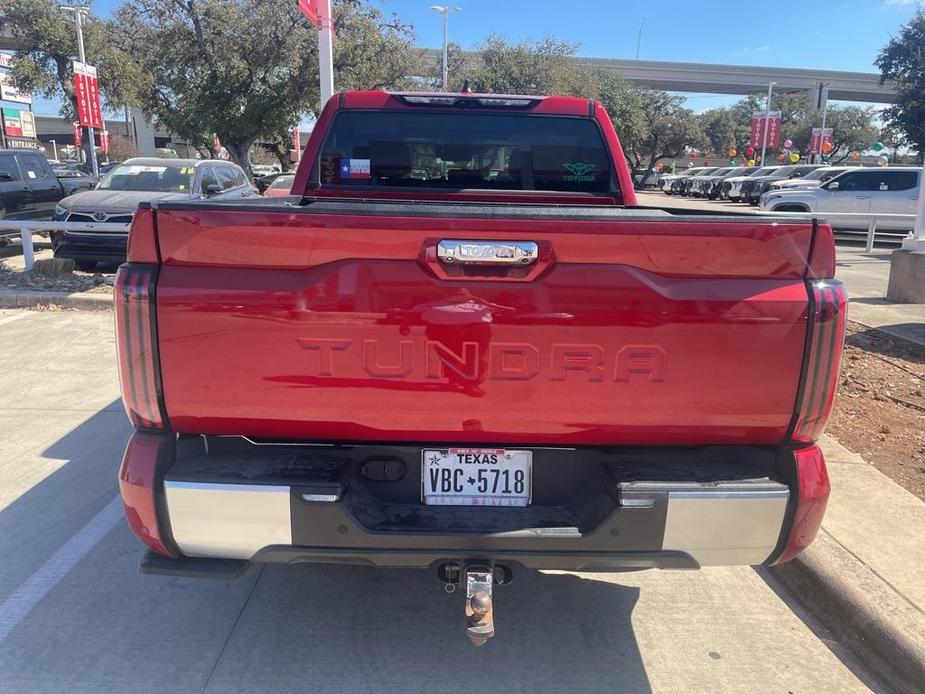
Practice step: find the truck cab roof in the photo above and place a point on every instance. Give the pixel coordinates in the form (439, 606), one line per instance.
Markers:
(551, 105)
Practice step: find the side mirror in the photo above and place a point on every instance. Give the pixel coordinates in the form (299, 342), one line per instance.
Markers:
(213, 189)
(5, 176)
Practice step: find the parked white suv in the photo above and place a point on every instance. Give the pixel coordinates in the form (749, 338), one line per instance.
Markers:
(812, 179)
(864, 192)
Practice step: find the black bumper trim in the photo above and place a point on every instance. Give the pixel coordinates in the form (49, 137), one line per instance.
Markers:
(381, 557)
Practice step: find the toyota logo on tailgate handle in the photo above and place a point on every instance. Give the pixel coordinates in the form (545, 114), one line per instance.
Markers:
(492, 252)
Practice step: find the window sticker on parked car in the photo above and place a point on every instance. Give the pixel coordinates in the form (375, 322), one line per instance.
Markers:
(136, 169)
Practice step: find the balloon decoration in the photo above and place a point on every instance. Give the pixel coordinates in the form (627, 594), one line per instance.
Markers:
(706, 162)
(732, 162)
(731, 152)
(781, 156)
(659, 166)
(827, 147)
(794, 157)
(693, 155)
(750, 151)
(877, 146)
(751, 162)
(855, 155)
(743, 161)
(788, 144)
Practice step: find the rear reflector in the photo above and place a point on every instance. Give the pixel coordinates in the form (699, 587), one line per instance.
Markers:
(142, 242)
(812, 494)
(820, 373)
(141, 479)
(136, 340)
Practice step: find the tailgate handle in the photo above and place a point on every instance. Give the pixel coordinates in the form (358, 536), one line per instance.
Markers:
(489, 252)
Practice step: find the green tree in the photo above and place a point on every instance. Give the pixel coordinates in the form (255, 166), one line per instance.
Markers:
(669, 129)
(530, 67)
(624, 106)
(853, 128)
(49, 39)
(723, 129)
(244, 70)
(903, 61)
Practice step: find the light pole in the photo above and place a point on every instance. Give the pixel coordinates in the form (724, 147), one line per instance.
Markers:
(767, 122)
(326, 50)
(639, 36)
(80, 11)
(445, 10)
(54, 148)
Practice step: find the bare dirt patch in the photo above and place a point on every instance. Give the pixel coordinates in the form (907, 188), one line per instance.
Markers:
(880, 408)
(13, 277)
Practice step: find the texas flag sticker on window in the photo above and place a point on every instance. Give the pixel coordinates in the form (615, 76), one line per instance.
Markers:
(354, 168)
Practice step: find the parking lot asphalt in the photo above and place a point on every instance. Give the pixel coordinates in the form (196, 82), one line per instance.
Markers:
(76, 616)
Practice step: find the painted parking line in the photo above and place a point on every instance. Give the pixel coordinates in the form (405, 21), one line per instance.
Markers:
(37, 586)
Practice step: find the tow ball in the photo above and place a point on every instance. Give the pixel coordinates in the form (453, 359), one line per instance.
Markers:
(479, 580)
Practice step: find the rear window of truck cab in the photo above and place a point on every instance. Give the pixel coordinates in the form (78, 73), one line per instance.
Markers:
(453, 151)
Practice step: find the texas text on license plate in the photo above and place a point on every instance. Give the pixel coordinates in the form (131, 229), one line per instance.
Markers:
(476, 477)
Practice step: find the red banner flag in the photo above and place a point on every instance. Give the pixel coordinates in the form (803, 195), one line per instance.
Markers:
(296, 140)
(760, 123)
(104, 140)
(310, 9)
(78, 134)
(818, 138)
(87, 93)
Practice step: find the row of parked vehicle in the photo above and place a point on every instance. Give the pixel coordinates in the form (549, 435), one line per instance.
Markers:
(741, 183)
(853, 193)
(34, 188)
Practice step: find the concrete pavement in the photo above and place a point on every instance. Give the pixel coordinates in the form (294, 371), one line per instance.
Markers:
(862, 577)
(866, 275)
(79, 618)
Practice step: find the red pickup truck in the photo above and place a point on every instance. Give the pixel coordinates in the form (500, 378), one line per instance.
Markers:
(463, 346)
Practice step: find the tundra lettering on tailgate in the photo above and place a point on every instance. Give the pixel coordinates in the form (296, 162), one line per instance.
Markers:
(474, 361)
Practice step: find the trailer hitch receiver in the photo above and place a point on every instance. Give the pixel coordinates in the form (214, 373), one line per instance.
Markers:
(480, 625)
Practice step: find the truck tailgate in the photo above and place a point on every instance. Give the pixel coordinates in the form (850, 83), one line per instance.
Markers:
(339, 322)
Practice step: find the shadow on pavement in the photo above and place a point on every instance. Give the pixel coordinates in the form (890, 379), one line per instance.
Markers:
(397, 630)
(41, 520)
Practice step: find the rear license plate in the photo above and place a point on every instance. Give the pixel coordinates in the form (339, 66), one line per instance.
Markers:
(476, 477)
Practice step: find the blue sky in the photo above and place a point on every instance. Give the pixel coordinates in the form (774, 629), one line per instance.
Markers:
(825, 34)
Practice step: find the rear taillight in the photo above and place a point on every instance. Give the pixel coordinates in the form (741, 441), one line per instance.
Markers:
(147, 457)
(136, 341)
(811, 487)
(823, 360)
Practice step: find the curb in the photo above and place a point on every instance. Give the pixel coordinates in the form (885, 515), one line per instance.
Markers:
(884, 630)
(85, 302)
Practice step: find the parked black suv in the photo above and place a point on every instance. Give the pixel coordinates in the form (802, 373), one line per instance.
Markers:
(29, 188)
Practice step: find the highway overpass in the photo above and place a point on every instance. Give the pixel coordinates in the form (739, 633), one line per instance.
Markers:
(749, 79)
(712, 78)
